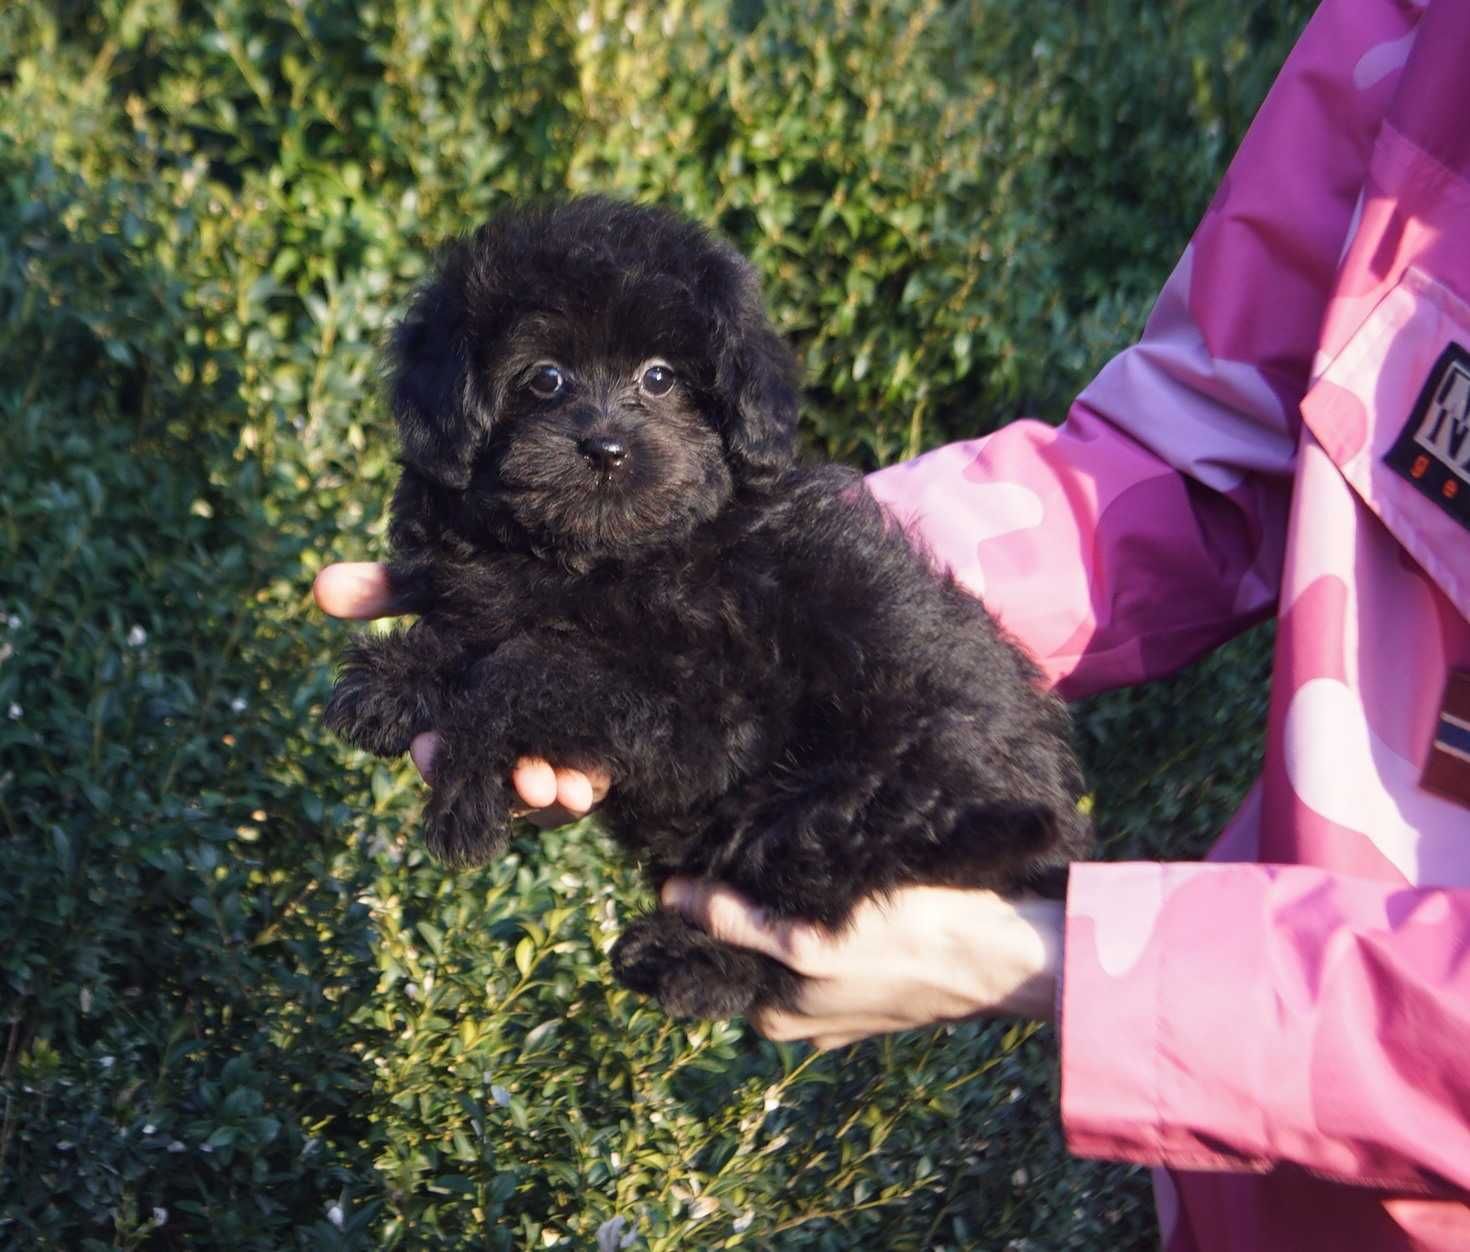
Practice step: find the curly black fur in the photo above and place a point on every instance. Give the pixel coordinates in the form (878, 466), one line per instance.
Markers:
(624, 567)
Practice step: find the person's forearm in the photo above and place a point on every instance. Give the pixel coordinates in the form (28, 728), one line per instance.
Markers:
(1229, 1016)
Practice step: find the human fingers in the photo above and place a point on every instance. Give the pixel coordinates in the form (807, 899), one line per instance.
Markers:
(354, 589)
(538, 785)
(729, 917)
(554, 797)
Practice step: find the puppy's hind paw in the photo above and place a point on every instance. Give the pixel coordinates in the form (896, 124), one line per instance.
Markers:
(696, 990)
(688, 973)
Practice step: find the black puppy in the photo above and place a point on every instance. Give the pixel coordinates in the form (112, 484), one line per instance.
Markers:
(618, 562)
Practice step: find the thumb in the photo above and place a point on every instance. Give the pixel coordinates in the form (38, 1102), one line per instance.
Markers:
(726, 915)
(354, 589)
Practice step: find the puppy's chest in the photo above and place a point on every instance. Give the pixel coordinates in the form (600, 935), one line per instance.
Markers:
(666, 626)
(722, 624)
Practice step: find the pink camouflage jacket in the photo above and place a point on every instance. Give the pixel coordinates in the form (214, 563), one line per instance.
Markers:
(1285, 1029)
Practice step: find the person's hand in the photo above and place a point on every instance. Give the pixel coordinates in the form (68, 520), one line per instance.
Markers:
(552, 796)
(922, 955)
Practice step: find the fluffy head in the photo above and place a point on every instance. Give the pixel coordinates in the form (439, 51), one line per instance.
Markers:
(589, 378)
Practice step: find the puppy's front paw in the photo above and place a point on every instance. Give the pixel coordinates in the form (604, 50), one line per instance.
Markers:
(686, 971)
(467, 819)
(370, 710)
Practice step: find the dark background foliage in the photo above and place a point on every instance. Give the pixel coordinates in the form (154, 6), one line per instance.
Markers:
(239, 1007)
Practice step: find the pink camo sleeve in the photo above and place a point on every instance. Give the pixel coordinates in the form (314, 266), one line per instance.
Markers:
(1358, 997)
(1149, 527)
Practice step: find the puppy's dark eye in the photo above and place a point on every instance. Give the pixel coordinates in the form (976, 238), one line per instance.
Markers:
(657, 380)
(545, 381)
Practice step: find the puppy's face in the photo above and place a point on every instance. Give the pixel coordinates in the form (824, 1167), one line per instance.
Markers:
(598, 449)
(591, 380)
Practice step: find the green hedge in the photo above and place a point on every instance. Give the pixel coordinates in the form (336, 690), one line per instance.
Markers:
(239, 1008)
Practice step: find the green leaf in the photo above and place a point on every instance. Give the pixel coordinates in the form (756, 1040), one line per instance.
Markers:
(433, 936)
(525, 956)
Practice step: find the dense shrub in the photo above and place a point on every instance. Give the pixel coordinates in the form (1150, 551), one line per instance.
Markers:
(239, 1008)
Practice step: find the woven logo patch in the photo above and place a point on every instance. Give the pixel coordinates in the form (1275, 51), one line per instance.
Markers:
(1433, 449)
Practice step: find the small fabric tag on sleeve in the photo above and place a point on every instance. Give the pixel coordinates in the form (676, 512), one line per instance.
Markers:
(1447, 772)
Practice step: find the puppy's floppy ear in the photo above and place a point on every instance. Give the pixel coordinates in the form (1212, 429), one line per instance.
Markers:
(441, 420)
(758, 379)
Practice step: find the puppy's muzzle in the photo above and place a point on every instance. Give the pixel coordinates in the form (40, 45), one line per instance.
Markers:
(604, 453)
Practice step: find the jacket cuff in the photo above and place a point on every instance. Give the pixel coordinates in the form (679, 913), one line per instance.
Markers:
(1159, 1024)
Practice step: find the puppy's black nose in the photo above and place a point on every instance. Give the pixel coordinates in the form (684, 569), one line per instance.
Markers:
(604, 452)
